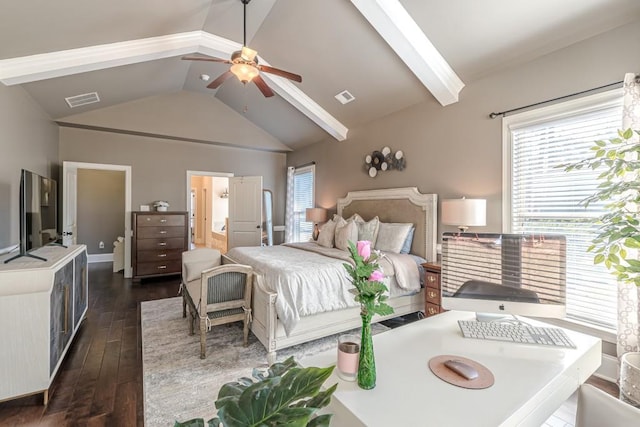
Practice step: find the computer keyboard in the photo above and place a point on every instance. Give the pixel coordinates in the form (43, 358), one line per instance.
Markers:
(515, 332)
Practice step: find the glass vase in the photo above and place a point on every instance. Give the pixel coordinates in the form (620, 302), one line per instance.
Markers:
(367, 362)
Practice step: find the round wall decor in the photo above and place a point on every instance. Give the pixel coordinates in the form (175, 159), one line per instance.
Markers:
(383, 160)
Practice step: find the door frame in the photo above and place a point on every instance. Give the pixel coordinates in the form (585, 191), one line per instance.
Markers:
(191, 174)
(128, 233)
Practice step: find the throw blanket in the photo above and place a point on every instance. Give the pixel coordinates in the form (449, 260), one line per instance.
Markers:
(310, 279)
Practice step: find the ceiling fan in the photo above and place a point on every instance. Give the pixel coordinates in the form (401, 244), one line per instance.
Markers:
(244, 65)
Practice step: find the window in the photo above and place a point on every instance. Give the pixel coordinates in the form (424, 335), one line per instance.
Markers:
(540, 197)
(303, 198)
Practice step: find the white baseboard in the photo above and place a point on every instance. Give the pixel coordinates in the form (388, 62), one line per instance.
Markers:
(609, 369)
(100, 258)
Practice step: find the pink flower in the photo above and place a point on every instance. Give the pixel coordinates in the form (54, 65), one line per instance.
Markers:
(364, 249)
(376, 276)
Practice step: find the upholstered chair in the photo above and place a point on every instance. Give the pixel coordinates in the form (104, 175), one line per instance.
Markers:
(597, 408)
(221, 295)
(194, 262)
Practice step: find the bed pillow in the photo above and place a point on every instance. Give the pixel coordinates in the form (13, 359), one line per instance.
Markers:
(406, 247)
(327, 232)
(346, 231)
(391, 236)
(367, 230)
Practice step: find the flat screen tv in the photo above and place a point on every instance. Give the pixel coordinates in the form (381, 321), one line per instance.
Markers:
(522, 274)
(38, 213)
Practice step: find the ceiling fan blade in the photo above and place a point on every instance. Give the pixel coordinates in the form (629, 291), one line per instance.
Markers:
(206, 58)
(221, 78)
(280, 73)
(262, 85)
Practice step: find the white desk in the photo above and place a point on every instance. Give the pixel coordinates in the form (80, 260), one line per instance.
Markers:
(531, 381)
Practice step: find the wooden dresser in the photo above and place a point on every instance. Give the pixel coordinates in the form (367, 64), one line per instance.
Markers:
(432, 304)
(159, 238)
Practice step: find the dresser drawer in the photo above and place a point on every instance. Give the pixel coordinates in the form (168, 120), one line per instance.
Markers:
(169, 243)
(432, 279)
(160, 232)
(432, 295)
(160, 255)
(159, 267)
(432, 309)
(159, 220)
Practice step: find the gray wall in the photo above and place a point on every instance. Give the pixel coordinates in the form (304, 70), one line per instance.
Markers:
(457, 150)
(101, 208)
(28, 140)
(159, 167)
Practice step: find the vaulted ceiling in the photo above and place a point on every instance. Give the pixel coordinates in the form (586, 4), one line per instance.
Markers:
(389, 54)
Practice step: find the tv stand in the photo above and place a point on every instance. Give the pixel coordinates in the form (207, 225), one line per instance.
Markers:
(25, 254)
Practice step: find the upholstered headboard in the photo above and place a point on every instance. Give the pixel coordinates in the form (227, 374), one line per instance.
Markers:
(398, 205)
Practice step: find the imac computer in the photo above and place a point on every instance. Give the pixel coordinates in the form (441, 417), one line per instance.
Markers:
(508, 274)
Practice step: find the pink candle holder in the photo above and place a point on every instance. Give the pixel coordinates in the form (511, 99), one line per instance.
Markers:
(348, 354)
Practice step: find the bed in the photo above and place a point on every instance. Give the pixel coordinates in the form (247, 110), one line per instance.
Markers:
(398, 205)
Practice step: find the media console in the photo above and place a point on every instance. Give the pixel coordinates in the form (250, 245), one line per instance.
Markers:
(42, 304)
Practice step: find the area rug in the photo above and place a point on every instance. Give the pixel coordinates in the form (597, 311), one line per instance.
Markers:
(178, 385)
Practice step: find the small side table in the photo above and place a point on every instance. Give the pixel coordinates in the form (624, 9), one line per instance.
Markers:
(432, 303)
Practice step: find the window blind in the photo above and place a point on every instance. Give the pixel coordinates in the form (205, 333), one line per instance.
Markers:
(303, 198)
(546, 199)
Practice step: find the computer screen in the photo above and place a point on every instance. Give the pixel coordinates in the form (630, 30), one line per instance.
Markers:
(518, 274)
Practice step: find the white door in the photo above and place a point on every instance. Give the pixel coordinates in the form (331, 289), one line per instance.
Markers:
(69, 204)
(245, 211)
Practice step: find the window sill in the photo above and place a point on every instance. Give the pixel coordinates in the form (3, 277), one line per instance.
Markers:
(606, 335)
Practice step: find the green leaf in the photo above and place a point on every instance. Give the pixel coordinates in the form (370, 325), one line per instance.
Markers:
(320, 421)
(627, 134)
(598, 259)
(632, 243)
(196, 422)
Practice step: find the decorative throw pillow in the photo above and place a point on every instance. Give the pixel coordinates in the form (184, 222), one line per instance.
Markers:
(327, 231)
(391, 236)
(367, 230)
(195, 268)
(345, 232)
(406, 247)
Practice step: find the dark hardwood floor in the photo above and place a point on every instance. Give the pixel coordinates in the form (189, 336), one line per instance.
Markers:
(100, 381)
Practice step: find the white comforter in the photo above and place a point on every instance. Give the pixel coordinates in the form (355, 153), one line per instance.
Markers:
(311, 279)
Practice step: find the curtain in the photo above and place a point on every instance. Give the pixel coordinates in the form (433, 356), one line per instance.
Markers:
(289, 221)
(629, 294)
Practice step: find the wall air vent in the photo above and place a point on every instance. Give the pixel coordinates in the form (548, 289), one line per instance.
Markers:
(345, 97)
(84, 99)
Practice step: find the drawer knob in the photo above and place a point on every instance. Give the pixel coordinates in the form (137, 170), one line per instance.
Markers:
(432, 294)
(162, 244)
(162, 267)
(163, 220)
(432, 310)
(163, 231)
(431, 279)
(162, 255)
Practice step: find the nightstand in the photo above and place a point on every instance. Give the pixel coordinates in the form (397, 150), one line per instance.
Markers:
(432, 289)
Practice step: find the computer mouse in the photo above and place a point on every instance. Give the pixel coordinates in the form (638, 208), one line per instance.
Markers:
(463, 369)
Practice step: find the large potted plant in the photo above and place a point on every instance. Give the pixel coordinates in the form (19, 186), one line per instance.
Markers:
(286, 394)
(618, 243)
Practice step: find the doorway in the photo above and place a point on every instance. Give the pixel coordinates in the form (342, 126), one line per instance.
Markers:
(70, 204)
(208, 207)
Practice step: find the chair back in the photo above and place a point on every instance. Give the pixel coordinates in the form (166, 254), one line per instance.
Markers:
(597, 408)
(197, 260)
(227, 286)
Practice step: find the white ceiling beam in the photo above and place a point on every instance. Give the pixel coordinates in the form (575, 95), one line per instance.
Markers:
(391, 20)
(26, 69)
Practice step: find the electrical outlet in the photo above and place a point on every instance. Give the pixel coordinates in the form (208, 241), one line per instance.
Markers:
(101, 245)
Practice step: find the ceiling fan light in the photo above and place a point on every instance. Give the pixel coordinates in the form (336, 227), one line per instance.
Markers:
(244, 72)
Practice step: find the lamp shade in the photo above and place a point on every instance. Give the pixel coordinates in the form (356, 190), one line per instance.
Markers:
(464, 213)
(316, 215)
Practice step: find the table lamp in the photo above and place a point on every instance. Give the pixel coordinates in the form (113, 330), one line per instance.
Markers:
(464, 213)
(316, 215)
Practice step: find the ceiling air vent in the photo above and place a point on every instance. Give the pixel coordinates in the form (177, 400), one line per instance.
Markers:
(84, 99)
(345, 97)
